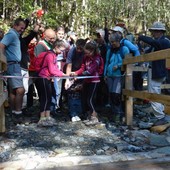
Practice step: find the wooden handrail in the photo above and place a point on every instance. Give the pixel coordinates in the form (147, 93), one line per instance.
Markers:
(158, 55)
(129, 93)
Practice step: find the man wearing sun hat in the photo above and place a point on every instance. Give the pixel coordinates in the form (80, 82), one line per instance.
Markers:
(158, 42)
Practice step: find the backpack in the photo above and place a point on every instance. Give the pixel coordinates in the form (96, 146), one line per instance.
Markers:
(39, 60)
(122, 44)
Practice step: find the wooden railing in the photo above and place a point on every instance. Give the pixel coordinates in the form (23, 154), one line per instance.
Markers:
(129, 93)
(3, 95)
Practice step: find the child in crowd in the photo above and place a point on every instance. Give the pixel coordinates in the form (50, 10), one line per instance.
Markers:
(90, 67)
(48, 70)
(73, 87)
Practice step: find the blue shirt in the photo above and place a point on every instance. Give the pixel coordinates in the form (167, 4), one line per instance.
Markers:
(12, 44)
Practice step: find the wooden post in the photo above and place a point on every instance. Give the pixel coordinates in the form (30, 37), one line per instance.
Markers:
(128, 99)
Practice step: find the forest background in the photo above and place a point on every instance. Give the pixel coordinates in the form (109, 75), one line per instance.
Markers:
(84, 16)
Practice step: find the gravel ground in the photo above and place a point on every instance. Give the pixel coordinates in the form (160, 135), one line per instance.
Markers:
(66, 139)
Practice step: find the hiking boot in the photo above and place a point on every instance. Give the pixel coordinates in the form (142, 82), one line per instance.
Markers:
(41, 122)
(161, 122)
(50, 121)
(147, 109)
(92, 121)
(18, 118)
(117, 118)
(85, 121)
(27, 113)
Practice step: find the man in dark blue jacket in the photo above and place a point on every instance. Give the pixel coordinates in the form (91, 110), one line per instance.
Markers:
(158, 42)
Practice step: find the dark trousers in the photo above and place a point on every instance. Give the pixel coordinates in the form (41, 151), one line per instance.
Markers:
(137, 80)
(88, 97)
(116, 104)
(45, 94)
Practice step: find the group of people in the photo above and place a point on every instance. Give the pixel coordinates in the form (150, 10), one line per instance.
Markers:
(97, 61)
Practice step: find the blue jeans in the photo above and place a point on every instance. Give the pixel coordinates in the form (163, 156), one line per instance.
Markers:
(74, 106)
(56, 94)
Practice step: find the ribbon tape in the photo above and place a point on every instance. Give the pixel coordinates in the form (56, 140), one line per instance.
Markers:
(64, 77)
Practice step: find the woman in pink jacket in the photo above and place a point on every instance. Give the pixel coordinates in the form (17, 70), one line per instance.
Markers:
(48, 70)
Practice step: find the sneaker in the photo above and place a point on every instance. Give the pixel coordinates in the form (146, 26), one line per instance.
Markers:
(73, 119)
(93, 121)
(77, 118)
(50, 121)
(85, 121)
(42, 122)
(45, 122)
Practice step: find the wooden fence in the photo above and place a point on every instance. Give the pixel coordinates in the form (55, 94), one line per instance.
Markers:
(129, 93)
(3, 95)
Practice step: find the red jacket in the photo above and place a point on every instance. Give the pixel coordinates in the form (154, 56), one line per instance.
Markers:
(31, 54)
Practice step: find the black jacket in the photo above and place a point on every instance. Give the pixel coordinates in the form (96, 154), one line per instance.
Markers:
(158, 67)
(24, 49)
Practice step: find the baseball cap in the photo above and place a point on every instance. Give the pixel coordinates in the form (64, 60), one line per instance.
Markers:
(117, 29)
